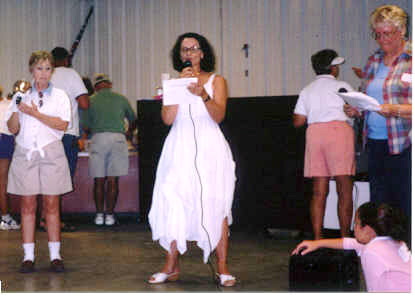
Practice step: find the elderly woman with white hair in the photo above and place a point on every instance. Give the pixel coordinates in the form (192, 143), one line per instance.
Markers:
(387, 78)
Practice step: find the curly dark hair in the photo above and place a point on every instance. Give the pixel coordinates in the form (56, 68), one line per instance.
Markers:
(384, 219)
(207, 64)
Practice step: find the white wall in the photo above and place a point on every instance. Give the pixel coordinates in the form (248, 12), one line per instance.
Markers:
(284, 34)
(131, 39)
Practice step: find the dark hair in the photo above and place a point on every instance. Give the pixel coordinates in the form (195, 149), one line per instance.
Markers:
(384, 219)
(59, 53)
(321, 61)
(207, 64)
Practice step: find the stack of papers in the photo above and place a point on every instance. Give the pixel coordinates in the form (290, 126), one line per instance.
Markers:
(175, 91)
(360, 101)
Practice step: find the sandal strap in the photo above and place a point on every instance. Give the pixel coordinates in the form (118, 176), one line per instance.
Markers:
(226, 277)
(161, 277)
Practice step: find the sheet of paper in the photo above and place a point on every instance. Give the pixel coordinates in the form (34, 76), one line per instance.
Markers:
(360, 100)
(175, 91)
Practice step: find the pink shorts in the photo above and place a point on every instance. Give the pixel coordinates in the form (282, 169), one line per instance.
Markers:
(329, 150)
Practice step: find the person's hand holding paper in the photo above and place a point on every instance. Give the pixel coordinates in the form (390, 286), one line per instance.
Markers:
(176, 92)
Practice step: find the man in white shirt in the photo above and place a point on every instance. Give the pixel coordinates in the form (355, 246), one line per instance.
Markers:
(329, 140)
(71, 82)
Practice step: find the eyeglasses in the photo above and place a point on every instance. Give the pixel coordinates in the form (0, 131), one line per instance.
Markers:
(192, 49)
(40, 101)
(387, 35)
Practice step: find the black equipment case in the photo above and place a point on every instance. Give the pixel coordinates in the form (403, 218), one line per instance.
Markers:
(325, 270)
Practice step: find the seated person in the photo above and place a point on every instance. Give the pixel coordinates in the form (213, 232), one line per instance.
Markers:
(380, 235)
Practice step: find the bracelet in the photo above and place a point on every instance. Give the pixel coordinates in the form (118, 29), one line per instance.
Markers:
(208, 98)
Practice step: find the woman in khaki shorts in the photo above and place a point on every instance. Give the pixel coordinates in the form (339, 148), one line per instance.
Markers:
(39, 166)
(329, 140)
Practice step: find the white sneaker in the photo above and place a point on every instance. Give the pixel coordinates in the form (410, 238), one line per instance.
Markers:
(9, 225)
(99, 219)
(109, 220)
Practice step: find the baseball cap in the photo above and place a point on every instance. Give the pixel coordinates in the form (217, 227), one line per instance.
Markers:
(324, 59)
(337, 61)
(101, 77)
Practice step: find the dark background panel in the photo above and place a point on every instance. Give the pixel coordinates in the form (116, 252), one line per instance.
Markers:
(270, 191)
(151, 134)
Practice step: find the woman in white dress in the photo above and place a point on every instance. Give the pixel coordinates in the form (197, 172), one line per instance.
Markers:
(195, 178)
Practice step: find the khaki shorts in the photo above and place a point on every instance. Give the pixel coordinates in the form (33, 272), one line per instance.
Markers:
(108, 155)
(48, 175)
(329, 150)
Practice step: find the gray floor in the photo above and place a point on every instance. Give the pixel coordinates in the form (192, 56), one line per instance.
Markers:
(120, 259)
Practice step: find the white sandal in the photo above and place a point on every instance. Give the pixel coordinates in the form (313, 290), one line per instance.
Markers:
(226, 280)
(161, 277)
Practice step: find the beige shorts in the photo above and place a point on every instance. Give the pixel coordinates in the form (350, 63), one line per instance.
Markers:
(48, 175)
(108, 155)
(329, 150)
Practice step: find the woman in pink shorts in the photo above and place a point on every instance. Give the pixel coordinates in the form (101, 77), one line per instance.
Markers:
(329, 140)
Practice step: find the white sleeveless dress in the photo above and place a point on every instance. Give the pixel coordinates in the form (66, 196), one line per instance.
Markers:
(195, 181)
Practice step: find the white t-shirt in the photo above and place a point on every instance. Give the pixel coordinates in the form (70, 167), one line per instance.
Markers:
(33, 134)
(71, 82)
(4, 106)
(319, 101)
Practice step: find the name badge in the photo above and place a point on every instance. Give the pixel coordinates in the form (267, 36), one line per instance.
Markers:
(407, 77)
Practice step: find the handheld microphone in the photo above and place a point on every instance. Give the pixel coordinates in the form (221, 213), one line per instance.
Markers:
(186, 64)
(19, 97)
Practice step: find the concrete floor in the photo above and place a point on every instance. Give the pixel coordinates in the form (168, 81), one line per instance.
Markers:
(121, 259)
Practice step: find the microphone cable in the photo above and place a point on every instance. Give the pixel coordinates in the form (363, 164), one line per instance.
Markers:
(212, 268)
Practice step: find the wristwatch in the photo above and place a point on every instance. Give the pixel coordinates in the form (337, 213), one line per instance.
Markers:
(207, 99)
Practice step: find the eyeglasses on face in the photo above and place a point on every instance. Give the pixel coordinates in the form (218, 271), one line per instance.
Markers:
(387, 35)
(192, 49)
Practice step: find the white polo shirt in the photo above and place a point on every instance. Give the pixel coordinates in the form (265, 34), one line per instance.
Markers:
(71, 82)
(33, 134)
(319, 101)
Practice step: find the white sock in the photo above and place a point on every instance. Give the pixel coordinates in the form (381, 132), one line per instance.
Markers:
(54, 250)
(29, 251)
(6, 218)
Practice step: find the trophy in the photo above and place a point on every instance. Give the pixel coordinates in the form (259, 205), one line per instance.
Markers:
(20, 87)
